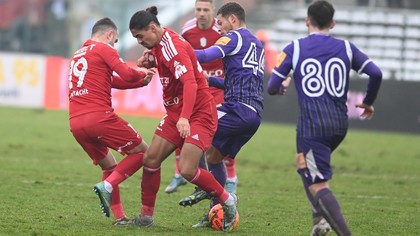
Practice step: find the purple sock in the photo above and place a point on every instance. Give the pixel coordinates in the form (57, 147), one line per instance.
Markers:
(219, 172)
(331, 211)
(316, 214)
(203, 163)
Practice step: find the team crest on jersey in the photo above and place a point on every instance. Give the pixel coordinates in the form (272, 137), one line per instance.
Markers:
(203, 42)
(179, 69)
(223, 41)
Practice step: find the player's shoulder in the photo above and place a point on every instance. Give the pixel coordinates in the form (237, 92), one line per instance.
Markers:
(174, 38)
(189, 25)
(102, 47)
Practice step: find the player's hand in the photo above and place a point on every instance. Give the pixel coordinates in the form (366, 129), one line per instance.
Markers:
(367, 112)
(149, 75)
(183, 126)
(147, 60)
(285, 85)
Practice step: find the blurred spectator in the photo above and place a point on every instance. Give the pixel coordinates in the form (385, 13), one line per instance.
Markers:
(270, 50)
(57, 28)
(10, 13)
(26, 30)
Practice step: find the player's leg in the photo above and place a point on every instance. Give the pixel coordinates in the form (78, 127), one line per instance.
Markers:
(81, 127)
(207, 182)
(232, 179)
(315, 170)
(218, 171)
(177, 179)
(127, 167)
(108, 165)
(159, 150)
(301, 169)
(118, 134)
(237, 123)
(165, 140)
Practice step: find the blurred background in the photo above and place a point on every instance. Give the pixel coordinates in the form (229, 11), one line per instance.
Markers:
(388, 31)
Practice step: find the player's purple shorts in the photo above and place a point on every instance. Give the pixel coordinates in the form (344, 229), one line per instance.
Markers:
(237, 123)
(316, 152)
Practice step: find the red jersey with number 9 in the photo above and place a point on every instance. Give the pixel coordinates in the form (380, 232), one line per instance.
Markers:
(90, 77)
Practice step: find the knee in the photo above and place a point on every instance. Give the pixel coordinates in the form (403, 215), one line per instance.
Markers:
(214, 156)
(316, 187)
(187, 172)
(150, 159)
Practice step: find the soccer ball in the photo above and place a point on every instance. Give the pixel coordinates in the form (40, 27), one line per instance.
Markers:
(216, 218)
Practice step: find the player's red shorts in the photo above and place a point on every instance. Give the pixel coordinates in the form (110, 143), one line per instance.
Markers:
(98, 131)
(203, 125)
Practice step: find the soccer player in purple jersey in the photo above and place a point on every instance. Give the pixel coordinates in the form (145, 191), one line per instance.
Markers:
(321, 65)
(240, 115)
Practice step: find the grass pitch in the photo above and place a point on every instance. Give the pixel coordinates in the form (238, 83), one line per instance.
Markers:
(46, 182)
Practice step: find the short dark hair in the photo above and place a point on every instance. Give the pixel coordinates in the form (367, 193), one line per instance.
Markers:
(141, 19)
(321, 14)
(102, 25)
(232, 8)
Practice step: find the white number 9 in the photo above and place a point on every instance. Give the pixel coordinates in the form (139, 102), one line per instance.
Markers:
(79, 73)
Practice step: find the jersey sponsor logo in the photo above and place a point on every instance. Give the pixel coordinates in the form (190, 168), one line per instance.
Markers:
(203, 41)
(174, 101)
(217, 73)
(164, 81)
(280, 59)
(223, 41)
(179, 69)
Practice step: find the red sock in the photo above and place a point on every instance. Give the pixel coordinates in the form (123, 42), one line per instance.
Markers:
(230, 167)
(150, 184)
(126, 168)
(115, 204)
(206, 181)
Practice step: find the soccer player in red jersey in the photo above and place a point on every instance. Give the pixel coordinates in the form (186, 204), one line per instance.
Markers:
(191, 118)
(93, 122)
(202, 32)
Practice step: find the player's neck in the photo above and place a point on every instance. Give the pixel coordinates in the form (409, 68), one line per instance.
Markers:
(239, 25)
(315, 30)
(99, 39)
